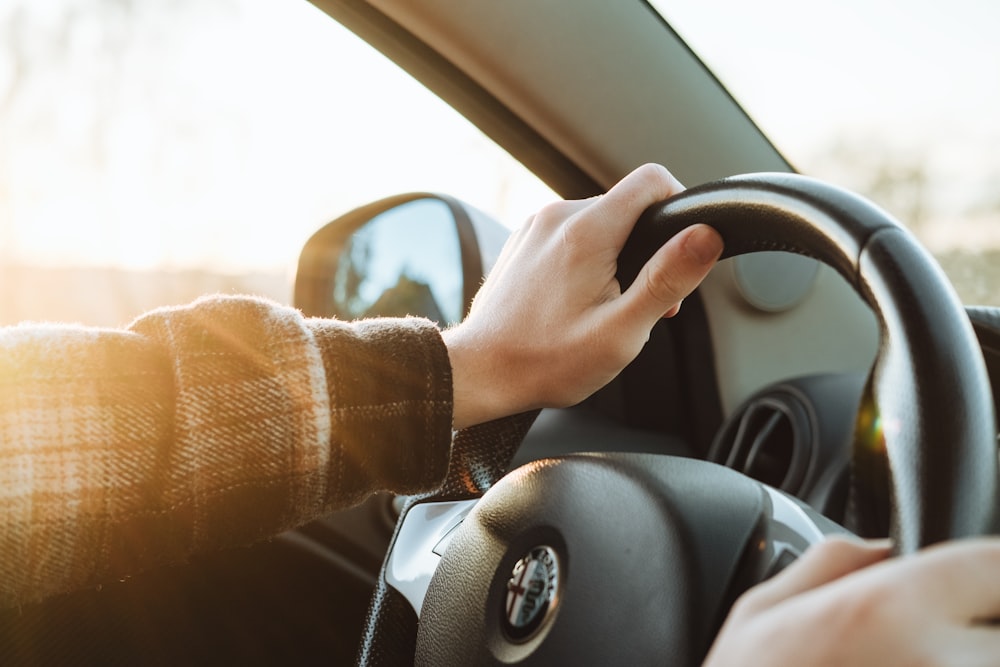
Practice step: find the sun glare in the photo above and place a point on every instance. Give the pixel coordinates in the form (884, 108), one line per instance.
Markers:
(216, 135)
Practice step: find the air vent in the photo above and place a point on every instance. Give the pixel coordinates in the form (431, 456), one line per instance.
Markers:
(768, 440)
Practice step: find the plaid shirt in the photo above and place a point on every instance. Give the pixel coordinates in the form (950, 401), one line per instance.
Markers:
(202, 427)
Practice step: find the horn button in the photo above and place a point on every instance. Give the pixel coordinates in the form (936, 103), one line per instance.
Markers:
(605, 559)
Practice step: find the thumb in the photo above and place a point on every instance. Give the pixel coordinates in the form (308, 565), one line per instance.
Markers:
(671, 274)
(823, 563)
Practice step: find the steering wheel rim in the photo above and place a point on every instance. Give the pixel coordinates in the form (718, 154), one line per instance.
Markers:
(929, 379)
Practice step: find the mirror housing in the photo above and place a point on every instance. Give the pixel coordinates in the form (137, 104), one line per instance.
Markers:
(417, 254)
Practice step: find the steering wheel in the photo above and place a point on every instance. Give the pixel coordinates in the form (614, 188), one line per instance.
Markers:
(636, 559)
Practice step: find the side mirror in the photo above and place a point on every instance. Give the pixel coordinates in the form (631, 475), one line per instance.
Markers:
(412, 254)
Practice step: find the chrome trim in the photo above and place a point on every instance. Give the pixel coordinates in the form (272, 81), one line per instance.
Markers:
(424, 535)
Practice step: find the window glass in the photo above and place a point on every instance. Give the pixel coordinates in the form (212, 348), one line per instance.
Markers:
(900, 102)
(154, 151)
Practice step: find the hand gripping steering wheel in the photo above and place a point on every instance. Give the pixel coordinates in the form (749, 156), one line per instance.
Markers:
(635, 559)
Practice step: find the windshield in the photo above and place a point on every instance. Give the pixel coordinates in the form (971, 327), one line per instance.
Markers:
(900, 102)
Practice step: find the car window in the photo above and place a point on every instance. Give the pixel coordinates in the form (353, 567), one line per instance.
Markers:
(901, 105)
(154, 151)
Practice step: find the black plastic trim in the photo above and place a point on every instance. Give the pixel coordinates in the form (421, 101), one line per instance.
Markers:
(709, 73)
(467, 97)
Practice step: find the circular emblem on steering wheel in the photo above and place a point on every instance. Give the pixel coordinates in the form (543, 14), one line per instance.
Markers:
(532, 593)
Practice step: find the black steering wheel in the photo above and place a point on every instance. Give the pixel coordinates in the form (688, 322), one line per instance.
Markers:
(635, 559)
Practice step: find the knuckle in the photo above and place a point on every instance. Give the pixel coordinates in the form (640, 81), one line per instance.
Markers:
(656, 178)
(554, 214)
(664, 286)
(576, 238)
(753, 601)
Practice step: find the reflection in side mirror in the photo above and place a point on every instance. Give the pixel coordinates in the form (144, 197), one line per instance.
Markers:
(403, 261)
(414, 254)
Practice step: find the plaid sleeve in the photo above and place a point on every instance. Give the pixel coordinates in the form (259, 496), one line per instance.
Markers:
(202, 427)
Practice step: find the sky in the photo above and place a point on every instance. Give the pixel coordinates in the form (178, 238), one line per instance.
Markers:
(884, 80)
(209, 121)
(889, 64)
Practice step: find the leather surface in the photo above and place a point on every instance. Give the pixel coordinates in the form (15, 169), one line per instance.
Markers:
(933, 397)
(937, 427)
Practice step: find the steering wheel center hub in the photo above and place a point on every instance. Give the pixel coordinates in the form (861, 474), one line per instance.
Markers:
(532, 593)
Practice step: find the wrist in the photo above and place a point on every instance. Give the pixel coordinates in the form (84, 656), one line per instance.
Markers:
(477, 380)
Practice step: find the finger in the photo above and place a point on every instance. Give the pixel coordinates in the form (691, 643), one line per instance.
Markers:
(672, 273)
(961, 577)
(823, 563)
(617, 211)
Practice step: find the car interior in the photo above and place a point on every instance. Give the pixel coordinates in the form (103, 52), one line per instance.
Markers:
(773, 372)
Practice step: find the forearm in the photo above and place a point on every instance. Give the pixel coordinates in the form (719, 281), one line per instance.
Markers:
(203, 427)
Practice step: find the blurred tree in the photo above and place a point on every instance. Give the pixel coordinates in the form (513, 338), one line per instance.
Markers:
(950, 212)
(894, 179)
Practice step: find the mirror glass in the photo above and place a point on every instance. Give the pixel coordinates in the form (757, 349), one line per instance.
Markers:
(405, 261)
